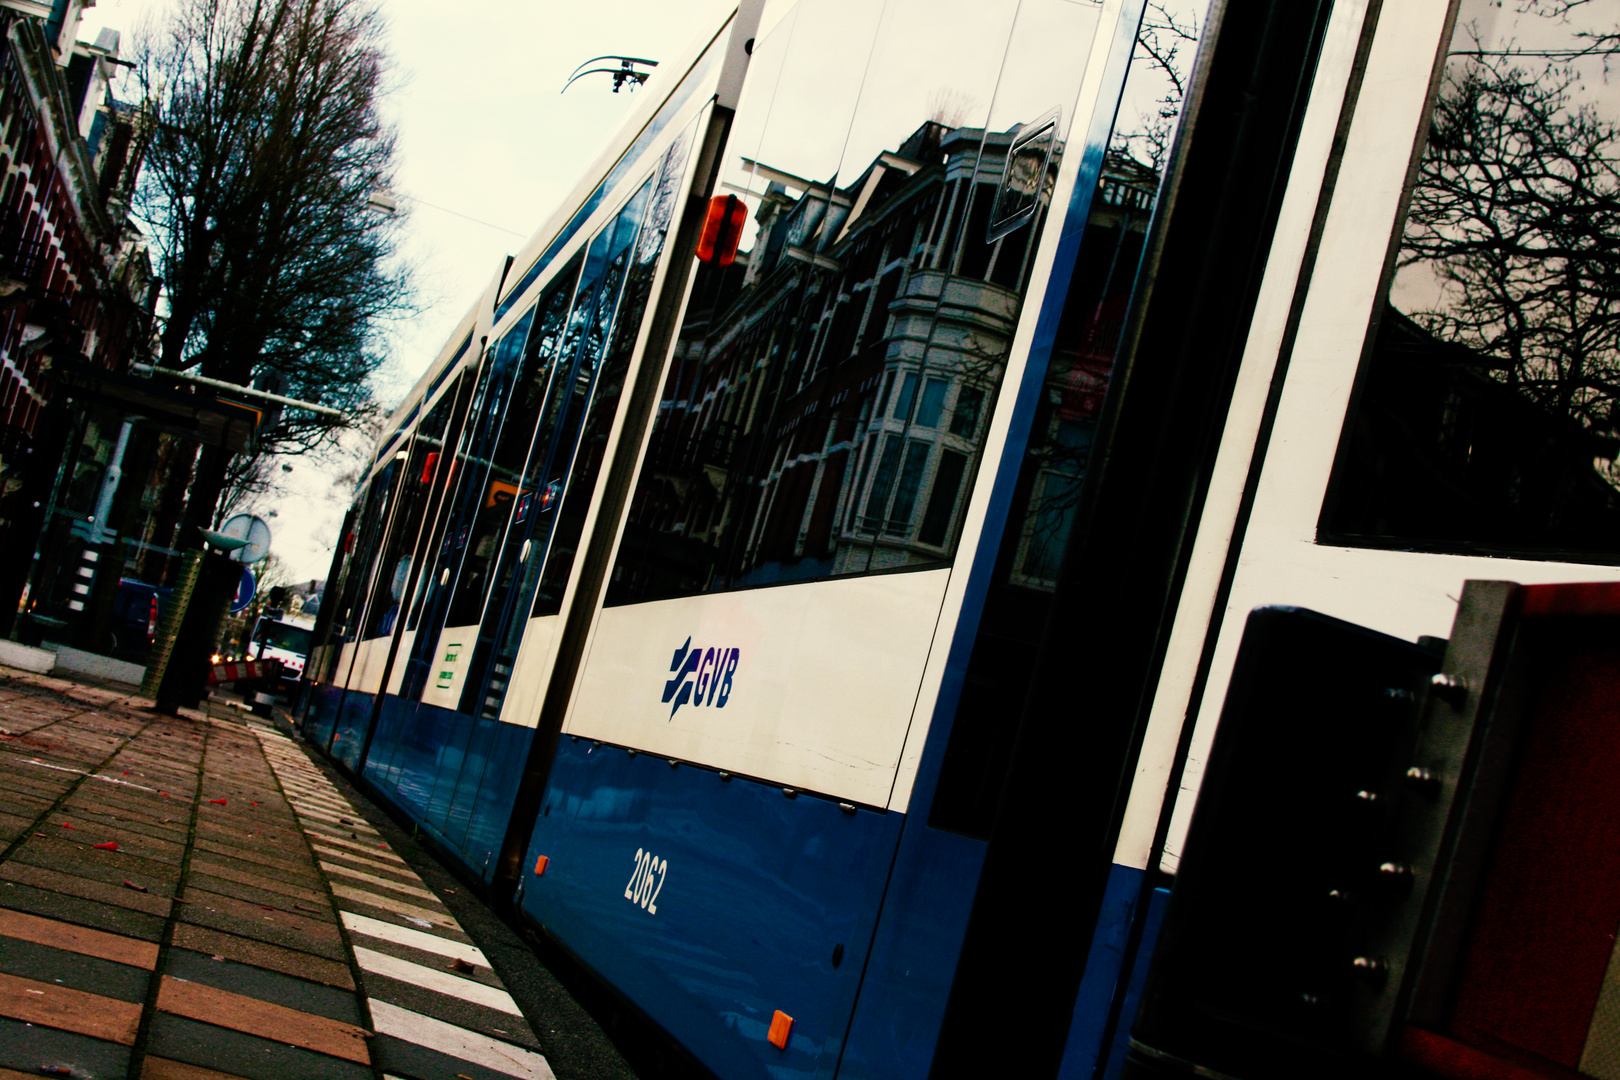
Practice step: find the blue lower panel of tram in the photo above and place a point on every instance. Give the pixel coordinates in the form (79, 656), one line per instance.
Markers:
(711, 903)
(323, 711)
(349, 726)
(456, 776)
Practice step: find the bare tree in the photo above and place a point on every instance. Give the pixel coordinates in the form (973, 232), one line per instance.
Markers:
(256, 192)
(1515, 222)
(1165, 44)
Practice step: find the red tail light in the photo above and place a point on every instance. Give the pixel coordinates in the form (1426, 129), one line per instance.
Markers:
(722, 230)
(428, 465)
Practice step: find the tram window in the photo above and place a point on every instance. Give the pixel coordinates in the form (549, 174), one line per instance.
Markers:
(446, 474)
(493, 490)
(802, 429)
(593, 440)
(393, 577)
(362, 563)
(1045, 499)
(1487, 417)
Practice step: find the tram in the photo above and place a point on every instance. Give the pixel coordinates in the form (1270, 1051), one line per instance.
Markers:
(808, 582)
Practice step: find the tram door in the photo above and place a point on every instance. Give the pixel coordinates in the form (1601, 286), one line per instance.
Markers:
(1043, 719)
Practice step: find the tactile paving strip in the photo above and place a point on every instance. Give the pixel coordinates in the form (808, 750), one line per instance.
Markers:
(189, 898)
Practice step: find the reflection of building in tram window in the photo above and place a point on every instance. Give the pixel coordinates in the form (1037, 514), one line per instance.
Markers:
(823, 414)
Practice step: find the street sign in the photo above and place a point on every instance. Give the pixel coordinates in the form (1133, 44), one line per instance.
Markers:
(252, 529)
(244, 592)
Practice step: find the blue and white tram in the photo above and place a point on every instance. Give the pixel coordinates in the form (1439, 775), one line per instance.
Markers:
(823, 643)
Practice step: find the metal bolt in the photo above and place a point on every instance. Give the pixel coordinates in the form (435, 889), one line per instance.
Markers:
(1396, 873)
(1367, 796)
(1449, 688)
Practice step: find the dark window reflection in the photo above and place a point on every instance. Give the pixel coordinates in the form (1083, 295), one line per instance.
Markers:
(1046, 498)
(824, 406)
(1486, 419)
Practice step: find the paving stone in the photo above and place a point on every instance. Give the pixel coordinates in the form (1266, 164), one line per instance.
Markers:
(320, 909)
(297, 867)
(172, 832)
(265, 955)
(99, 916)
(182, 1039)
(256, 982)
(119, 895)
(31, 960)
(78, 939)
(309, 879)
(261, 877)
(22, 805)
(252, 920)
(266, 1019)
(27, 1047)
(45, 1004)
(83, 859)
(277, 842)
(164, 1069)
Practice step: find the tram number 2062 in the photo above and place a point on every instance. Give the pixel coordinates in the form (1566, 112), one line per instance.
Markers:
(647, 880)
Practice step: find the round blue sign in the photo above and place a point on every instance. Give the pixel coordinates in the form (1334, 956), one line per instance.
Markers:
(244, 592)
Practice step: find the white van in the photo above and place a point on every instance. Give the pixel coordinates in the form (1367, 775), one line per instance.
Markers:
(287, 639)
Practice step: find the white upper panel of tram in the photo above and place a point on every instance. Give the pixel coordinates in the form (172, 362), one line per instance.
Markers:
(830, 412)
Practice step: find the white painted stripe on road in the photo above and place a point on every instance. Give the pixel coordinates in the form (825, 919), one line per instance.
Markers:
(325, 798)
(378, 850)
(373, 879)
(440, 982)
(301, 791)
(354, 824)
(304, 802)
(415, 939)
(398, 907)
(333, 853)
(458, 1042)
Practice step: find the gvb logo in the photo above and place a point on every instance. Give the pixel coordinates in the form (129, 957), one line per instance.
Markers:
(701, 677)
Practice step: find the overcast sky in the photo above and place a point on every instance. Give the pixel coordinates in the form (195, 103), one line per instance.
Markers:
(484, 134)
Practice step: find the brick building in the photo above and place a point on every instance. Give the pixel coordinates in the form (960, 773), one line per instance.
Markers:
(76, 282)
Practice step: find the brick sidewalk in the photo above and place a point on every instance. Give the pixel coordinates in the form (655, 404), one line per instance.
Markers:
(189, 898)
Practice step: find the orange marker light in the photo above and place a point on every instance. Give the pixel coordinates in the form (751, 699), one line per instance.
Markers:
(722, 230)
(540, 864)
(781, 1025)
